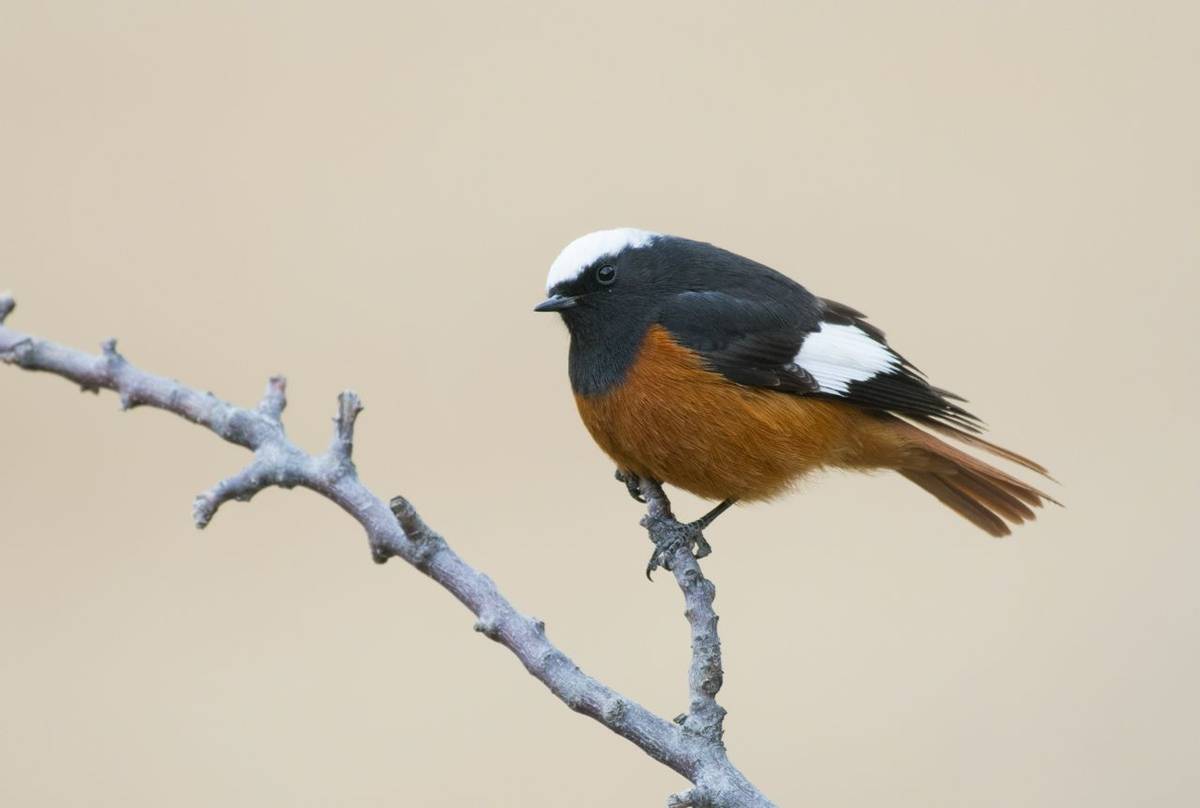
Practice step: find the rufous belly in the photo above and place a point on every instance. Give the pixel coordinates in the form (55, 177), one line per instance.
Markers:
(675, 421)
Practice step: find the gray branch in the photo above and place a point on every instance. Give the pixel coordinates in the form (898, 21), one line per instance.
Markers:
(691, 745)
(704, 717)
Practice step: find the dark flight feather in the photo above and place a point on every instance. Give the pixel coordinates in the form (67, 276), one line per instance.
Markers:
(752, 336)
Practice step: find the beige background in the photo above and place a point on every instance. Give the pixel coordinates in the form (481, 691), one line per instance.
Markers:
(370, 195)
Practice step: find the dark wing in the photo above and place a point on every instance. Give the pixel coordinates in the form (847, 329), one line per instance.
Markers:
(749, 341)
(801, 344)
(899, 388)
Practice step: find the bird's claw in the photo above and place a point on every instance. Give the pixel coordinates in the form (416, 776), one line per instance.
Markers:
(669, 537)
(632, 484)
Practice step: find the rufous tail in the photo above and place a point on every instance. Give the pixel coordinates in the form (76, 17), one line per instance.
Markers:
(986, 496)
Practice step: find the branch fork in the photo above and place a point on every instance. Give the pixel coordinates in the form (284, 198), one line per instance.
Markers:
(693, 746)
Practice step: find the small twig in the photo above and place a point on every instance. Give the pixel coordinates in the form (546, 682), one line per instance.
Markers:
(241, 486)
(349, 406)
(694, 750)
(274, 400)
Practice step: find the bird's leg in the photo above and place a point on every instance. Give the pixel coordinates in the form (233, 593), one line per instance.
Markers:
(710, 517)
(668, 533)
(703, 548)
(632, 484)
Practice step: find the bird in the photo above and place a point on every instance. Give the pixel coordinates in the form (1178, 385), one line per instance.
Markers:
(697, 367)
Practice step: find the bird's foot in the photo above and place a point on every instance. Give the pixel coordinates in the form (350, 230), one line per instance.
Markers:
(670, 536)
(633, 484)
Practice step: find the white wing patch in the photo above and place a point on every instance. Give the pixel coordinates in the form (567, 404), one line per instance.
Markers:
(587, 250)
(836, 355)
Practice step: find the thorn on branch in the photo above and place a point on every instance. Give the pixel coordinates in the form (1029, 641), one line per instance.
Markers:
(113, 362)
(488, 626)
(111, 355)
(7, 304)
(349, 406)
(274, 400)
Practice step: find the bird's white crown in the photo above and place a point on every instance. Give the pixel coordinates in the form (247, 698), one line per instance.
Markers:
(587, 250)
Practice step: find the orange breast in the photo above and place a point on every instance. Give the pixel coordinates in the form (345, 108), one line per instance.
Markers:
(675, 421)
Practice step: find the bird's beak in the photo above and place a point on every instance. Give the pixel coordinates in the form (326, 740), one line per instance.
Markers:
(557, 303)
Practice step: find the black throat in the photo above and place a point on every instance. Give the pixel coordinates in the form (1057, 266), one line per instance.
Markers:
(603, 347)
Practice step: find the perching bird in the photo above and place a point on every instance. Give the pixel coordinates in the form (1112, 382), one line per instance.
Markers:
(694, 366)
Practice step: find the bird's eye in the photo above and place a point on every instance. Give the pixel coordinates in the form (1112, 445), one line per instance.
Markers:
(606, 275)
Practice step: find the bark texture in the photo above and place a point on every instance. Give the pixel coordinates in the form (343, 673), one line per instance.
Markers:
(691, 744)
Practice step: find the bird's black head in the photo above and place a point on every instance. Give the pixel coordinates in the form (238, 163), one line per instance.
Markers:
(607, 286)
(611, 286)
(602, 274)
